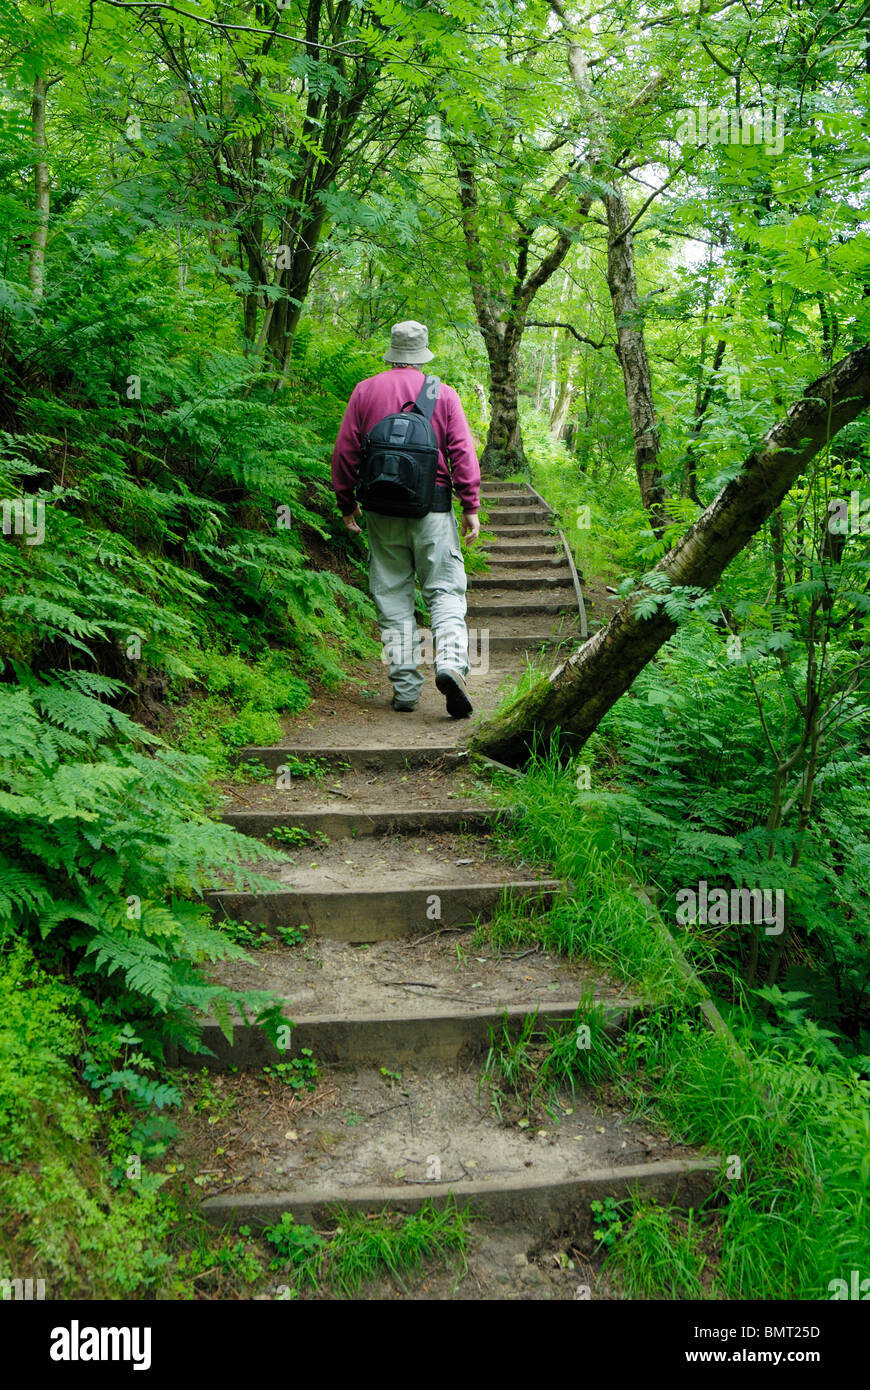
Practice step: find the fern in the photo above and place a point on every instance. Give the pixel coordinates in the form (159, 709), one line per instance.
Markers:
(101, 845)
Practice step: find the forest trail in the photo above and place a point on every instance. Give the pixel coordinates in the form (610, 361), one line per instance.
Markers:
(390, 864)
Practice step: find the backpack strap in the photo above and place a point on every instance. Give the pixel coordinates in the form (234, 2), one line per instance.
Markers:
(428, 397)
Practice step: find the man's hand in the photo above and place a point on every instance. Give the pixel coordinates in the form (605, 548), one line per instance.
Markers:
(350, 520)
(470, 527)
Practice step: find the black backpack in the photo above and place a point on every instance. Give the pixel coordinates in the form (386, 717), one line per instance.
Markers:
(400, 459)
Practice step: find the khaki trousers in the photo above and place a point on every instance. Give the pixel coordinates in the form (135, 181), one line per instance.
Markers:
(428, 547)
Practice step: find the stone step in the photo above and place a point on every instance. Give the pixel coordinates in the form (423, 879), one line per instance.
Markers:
(560, 578)
(381, 914)
(426, 1134)
(350, 822)
(490, 485)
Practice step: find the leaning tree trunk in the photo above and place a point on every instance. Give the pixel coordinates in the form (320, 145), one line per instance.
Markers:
(503, 453)
(571, 702)
(41, 189)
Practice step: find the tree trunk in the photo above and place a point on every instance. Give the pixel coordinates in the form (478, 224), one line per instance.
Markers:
(41, 189)
(294, 279)
(633, 359)
(570, 703)
(539, 385)
(503, 453)
(703, 397)
(562, 406)
(502, 299)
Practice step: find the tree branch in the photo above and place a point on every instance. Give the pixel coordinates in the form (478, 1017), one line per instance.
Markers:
(569, 327)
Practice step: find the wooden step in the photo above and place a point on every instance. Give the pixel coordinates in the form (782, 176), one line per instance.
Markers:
(429, 1135)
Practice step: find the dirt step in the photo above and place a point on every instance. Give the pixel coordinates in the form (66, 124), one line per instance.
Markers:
(431, 999)
(546, 1204)
(418, 789)
(371, 758)
(398, 1040)
(397, 862)
(366, 1140)
(374, 914)
(362, 734)
(506, 534)
(539, 549)
(516, 516)
(489, 489)
(523, 561)
(540, 579)
(530, 642)
(508, 623)
(495, 605)
(351, 821)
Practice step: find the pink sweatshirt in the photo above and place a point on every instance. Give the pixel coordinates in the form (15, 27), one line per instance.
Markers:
(384, 394)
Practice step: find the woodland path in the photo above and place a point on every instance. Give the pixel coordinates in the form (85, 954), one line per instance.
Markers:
(395, 865)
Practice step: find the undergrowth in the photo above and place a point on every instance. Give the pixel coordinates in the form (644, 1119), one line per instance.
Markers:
(361, 1247)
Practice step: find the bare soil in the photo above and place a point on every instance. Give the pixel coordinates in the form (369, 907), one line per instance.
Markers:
(414, 976)
(398, 862)
(361, 1129)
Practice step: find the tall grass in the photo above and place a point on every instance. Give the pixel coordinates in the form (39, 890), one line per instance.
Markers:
(787, 1112)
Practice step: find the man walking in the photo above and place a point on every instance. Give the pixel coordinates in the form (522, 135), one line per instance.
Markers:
(403, 446)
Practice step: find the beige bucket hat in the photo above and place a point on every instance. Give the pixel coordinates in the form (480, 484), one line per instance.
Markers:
(409, 342)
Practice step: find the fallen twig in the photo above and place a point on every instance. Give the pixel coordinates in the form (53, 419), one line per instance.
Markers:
(423, 984)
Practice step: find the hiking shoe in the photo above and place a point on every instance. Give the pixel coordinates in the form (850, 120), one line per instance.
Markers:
(452, 686)
(403, 706)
